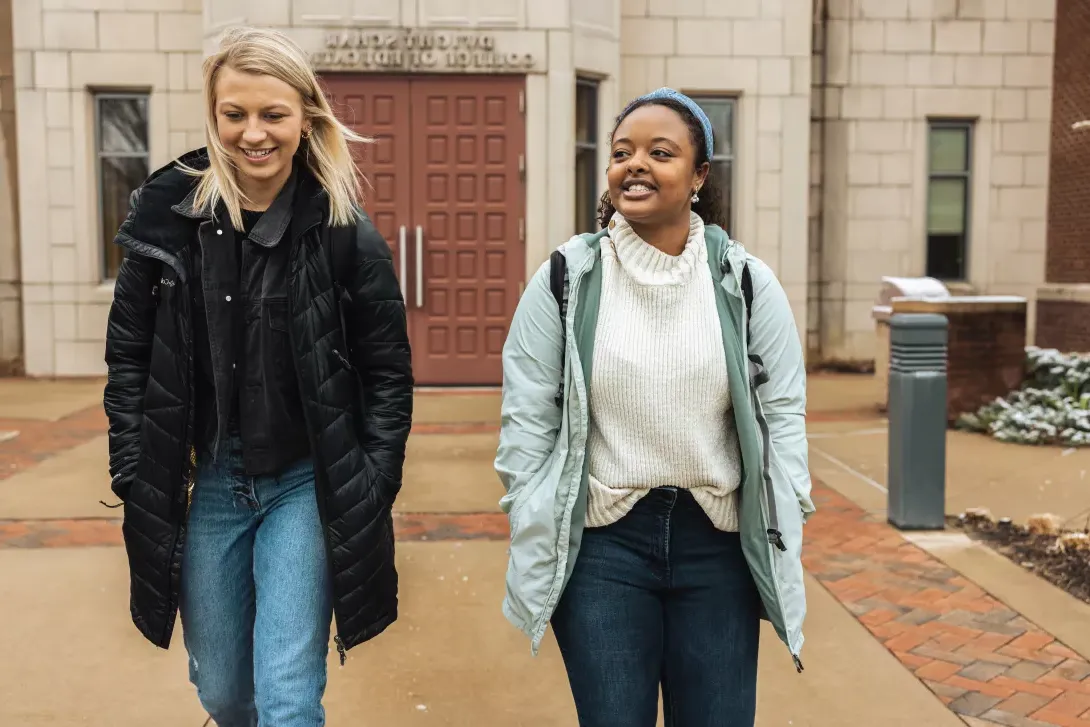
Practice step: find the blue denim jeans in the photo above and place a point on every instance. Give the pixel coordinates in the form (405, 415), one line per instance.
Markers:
(256, 600)
(661, 597)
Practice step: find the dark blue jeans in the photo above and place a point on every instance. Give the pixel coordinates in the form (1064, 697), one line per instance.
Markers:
(661, 598)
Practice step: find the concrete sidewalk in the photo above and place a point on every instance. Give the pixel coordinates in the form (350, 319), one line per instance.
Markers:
(451, 659)
(1012, 480)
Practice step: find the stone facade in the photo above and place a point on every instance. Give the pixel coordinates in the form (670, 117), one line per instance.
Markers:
(891, 66)
(65, 51)
(832, 102)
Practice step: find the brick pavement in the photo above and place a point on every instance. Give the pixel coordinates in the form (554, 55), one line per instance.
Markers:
(978, 656)
(37, 440)
(106, 531)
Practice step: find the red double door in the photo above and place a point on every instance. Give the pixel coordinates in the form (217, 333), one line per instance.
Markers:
(444, 186)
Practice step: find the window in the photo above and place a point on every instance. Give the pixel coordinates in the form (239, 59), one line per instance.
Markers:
(122, 164)
(586, 155)
(720, 111)
(949, 161)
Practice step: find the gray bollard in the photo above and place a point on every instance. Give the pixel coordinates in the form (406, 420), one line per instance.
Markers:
(917, 421)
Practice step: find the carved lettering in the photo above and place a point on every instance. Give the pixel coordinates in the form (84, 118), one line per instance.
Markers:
(417, 50)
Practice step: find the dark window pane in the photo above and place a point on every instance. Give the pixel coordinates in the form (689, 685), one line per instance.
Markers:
(946, 257)
(119, 177)
(948, 190)
(720, 112)
(123, 124)
(724, 171)
(586, 155)
(586, 112)
(949, 149)
(586, 186)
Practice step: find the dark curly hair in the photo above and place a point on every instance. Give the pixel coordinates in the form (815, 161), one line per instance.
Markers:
(710, 204)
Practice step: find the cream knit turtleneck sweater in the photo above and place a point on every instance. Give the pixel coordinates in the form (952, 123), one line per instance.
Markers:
(659, 402)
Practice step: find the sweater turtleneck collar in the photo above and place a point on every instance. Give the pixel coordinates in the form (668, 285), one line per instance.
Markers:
(648, 265)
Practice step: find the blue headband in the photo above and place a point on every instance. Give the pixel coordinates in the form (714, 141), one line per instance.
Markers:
(670, 94)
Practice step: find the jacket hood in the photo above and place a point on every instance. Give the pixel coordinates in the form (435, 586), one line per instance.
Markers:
(162, 205)
(152, 219)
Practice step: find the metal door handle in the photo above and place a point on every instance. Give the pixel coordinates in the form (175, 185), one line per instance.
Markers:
(419, 266)
(401, 258)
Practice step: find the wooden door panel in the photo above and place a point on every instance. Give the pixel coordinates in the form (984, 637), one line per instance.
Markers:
(378, 107)
(445, 167)
(468, 197)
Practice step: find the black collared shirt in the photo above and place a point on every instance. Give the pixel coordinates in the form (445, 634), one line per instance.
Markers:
(245, 379)
(203, 370)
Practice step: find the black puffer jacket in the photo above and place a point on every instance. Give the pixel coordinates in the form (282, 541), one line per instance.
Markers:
(357, 398)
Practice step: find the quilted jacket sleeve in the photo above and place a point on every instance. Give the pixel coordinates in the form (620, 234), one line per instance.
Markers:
(130, 329)
(379, 342)
(775, 338)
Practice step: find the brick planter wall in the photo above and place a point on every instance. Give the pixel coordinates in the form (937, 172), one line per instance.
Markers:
(1063, 302)
(1063, 324)
(986, 354)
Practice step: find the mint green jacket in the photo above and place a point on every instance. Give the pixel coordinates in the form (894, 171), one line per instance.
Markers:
(542, 459)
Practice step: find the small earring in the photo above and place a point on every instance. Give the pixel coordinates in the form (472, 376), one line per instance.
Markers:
(306, 133)
(695, 198)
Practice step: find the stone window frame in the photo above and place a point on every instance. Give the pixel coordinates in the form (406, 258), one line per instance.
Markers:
(968, 126)
(720, 158)
(588, 91)
(105, 238)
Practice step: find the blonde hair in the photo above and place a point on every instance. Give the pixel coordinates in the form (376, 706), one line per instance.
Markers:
(268, 52)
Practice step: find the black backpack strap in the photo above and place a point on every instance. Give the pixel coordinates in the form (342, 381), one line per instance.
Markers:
(747, 295)
(558, 274)
(760, 373)
(558, 284)
(341, 240)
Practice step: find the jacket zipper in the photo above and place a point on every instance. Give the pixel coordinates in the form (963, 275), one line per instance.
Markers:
(190, 461)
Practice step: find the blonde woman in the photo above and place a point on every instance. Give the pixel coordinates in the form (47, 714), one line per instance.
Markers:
(259, 394)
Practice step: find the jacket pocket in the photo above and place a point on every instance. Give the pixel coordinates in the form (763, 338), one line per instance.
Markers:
(277, 347)
(276, 312)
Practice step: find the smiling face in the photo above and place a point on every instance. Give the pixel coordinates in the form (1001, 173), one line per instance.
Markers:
(652, 170)
(259, 120)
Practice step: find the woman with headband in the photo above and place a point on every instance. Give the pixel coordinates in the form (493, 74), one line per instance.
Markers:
(653, 443)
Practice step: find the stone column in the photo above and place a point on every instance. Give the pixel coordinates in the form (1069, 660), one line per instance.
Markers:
(1063, 302)
(11, 310)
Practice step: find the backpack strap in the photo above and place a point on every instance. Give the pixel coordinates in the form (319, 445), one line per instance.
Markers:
(558, 280)
(747, 296)
(716, 240)
(341, 240)
(558, 284)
